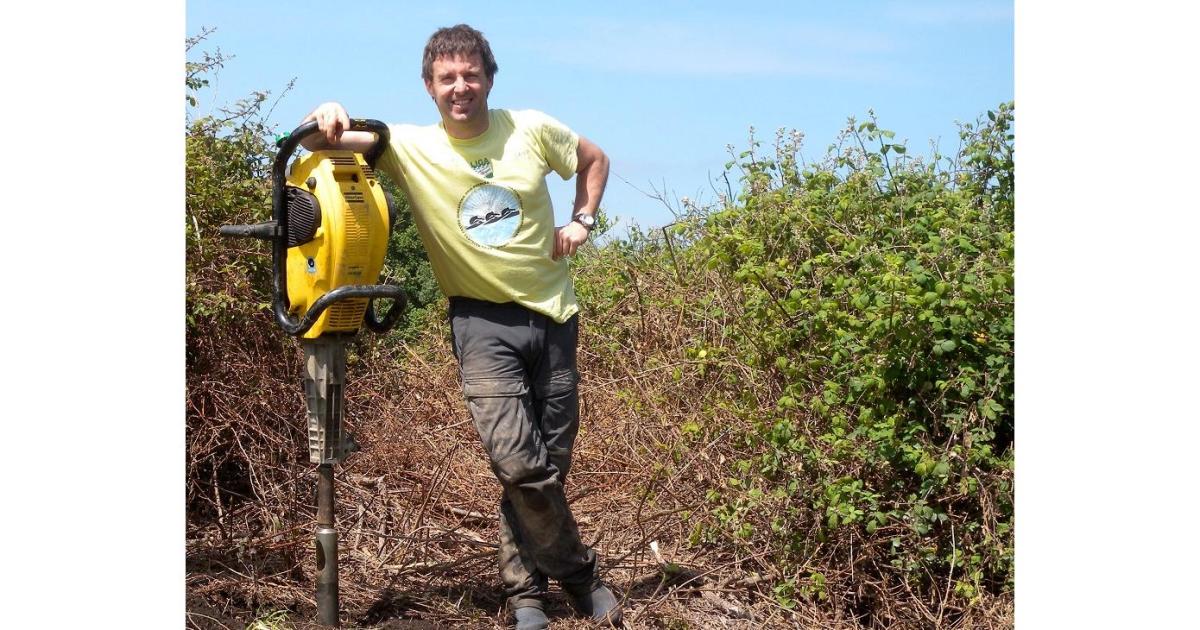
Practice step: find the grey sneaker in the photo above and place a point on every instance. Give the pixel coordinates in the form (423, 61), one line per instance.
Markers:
(531, 618)
(597, 601)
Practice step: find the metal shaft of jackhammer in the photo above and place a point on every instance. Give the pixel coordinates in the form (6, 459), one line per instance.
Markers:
(327, 555)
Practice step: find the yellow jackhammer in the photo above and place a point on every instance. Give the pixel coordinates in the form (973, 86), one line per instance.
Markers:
(329, 228)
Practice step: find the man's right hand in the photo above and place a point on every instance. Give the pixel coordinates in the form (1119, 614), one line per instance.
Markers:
(333, 121)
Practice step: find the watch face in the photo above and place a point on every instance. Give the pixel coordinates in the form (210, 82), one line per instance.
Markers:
(586, 219)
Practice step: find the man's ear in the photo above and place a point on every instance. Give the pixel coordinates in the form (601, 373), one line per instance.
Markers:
(429, 88)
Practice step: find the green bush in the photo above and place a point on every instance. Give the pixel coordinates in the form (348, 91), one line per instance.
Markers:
(852, 320)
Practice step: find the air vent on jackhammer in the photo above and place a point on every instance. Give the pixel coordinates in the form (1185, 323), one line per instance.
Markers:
(304, 216)
(347, 314)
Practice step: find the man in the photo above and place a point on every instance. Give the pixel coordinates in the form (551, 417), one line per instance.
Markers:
(476, 183)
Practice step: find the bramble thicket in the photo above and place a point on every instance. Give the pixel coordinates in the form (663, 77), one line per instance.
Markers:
(802, 394)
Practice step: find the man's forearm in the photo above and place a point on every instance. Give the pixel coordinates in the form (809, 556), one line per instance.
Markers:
(589, 185)
(314, 142)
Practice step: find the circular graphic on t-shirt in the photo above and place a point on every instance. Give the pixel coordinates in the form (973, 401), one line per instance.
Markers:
(490, 214)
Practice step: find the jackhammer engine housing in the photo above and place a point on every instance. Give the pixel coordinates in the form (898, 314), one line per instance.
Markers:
(344, 245)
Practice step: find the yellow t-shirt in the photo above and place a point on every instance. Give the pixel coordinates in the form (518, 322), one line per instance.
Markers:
(483, 210)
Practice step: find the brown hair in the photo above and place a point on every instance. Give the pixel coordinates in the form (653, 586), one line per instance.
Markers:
(457, 40)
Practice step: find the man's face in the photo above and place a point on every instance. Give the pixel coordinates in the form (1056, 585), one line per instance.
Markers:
(460, 88)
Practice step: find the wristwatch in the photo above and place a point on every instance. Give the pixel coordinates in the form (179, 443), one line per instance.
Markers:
(588, 221)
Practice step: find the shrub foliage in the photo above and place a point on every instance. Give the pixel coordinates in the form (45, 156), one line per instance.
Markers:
(852, 340)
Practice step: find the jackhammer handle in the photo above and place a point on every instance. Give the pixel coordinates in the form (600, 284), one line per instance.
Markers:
(382, 136)
(293, 327)
(267, 230)
(399, 301)
(288, 143)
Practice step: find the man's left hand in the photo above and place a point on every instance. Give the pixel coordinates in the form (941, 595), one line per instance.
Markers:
(568, 238)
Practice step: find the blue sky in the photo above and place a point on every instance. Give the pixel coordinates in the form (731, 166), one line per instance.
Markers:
(662, 87)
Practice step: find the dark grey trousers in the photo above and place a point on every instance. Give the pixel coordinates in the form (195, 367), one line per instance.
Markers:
(519, 377)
